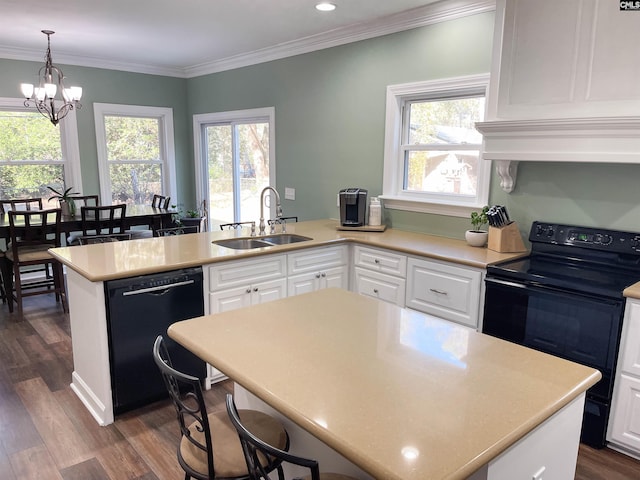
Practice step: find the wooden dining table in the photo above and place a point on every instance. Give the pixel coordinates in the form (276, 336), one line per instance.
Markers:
(135, 215)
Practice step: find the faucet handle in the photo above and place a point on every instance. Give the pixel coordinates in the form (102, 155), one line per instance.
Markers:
(253, 229)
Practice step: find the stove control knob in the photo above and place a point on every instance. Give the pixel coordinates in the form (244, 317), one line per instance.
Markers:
(606, 239)
(550, 232)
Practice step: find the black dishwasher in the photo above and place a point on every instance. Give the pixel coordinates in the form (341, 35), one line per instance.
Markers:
(138, 310)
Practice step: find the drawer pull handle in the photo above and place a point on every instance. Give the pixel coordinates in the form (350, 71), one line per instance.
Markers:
(439, 292)
(376, 261)
(323, 275)
(375, 290)
(249, 290)
(255, 289)
(317, 275)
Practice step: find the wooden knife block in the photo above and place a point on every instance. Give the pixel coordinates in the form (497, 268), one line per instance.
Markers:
(506, 239)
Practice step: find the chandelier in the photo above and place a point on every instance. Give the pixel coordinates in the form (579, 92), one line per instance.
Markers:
(43, 97)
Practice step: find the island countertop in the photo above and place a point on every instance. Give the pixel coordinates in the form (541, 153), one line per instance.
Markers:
(139, 257)
(369, 378)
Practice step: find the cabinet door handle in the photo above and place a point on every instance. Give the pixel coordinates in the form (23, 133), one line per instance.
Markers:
(249, 290)
(439, 292)
(375, 290)
(323, 275)
(376, 261)
(255, 289)
(317, 275)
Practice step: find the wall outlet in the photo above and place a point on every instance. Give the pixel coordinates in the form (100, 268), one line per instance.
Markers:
(289, 193)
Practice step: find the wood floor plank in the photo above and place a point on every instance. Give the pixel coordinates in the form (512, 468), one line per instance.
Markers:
(6, 471)
(157, 452)
(55, 428)
(122, 461)
(87, 470)
(17, 430)
(35, 464)
(48, 329)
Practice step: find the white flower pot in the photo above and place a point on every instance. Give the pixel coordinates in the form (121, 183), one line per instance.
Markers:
(476, 238)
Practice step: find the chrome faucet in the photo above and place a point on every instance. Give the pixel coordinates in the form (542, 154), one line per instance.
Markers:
(278, 207)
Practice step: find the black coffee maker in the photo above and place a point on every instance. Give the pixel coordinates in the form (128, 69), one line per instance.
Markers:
(353, 207)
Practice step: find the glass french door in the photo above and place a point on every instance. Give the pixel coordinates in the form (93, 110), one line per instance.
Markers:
(237, 169)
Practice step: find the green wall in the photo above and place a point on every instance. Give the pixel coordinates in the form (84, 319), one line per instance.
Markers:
(330, 126)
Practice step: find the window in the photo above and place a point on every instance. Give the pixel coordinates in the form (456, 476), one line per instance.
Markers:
(432, 150)
(235, 160)
(136, 157)
(35, 154)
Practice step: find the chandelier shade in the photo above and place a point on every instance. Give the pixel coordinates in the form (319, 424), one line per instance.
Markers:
(51, 82)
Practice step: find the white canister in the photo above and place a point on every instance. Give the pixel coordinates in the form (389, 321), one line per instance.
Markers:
(375, 212)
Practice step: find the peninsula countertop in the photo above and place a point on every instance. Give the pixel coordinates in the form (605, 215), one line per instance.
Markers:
(139, 257)
(368, 378)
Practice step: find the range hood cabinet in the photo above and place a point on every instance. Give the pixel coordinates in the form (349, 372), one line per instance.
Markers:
(564, 85)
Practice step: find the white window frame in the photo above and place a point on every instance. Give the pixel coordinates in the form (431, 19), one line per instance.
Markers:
(167, 144)
(236, 116)
(393, 193)
(68, 139)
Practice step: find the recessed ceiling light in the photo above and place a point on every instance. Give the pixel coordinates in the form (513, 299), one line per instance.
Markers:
(325, 7)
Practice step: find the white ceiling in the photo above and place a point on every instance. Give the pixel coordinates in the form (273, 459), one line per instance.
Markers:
(185, 38)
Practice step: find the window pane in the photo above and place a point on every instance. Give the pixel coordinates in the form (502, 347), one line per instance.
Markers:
(220, 166)
(242, 149)
(135, 183)
(253, 160)
(445, 121)
(30, 156)
(132, 138)
(454, 172)
(30, 181)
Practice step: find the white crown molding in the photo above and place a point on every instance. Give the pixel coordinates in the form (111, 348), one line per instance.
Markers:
(418, 17)
(429, 14)
(24, 54)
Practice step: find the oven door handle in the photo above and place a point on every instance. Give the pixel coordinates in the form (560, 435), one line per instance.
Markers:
(524, 285)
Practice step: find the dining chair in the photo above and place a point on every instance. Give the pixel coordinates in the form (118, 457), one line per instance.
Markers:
(101, 220)
(20, 204)
(209, 447)
(182, 230)
(236, 225)
(106, 238)
(159, 201)
(276, 221)
(32, 233)
(257, 449)
(86, 201)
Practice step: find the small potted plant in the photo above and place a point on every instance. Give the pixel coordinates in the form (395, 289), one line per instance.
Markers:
(65, 200)
(189, 218)
(478, 237)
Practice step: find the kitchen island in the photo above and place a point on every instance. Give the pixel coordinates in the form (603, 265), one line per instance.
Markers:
(400, 394)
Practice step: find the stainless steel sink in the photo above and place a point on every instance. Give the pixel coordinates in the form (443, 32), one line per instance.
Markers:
(242, 243)
(285, 238)
(259, 242)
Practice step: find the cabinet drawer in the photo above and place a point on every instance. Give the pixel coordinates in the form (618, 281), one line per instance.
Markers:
(624, 427)
(379, 285)
(242, 272)
(447, 291)
(316, 259)
(382, 261)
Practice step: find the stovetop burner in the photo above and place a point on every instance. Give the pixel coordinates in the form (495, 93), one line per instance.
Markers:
(594, 261)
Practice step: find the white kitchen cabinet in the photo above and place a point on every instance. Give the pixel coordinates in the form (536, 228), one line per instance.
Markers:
(379, 285)
(380, 274)
(447, 291)
(624, 421)
(242, 283)
(313, 269)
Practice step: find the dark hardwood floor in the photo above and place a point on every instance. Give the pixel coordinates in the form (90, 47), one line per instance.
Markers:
(46, 433)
